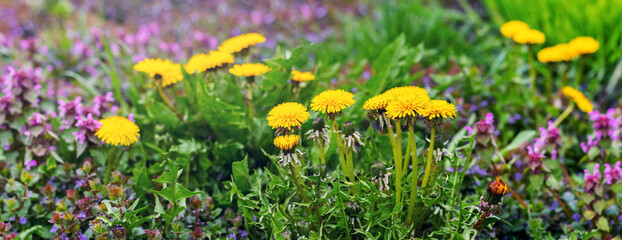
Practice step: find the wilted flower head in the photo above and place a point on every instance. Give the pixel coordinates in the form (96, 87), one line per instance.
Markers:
(319, 131)
(493, 197)
(592, 181)
(350, 136)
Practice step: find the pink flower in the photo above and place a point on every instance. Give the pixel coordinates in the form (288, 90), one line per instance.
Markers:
(592, 181)
(86, 129)
(613, 175)
(591, 142)
(551, 136)
(535, 155)
(484, 129)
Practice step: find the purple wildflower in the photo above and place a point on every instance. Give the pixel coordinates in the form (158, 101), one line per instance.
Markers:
(535, 155)
(592, 181)
(86, 129)
(613, 175)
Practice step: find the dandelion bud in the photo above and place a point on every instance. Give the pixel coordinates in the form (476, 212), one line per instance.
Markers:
(378, 169)
(318, 124)
(347, 128)
(303, 228)
(352, 208)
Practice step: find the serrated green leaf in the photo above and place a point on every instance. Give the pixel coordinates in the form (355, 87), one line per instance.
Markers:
(240, 174)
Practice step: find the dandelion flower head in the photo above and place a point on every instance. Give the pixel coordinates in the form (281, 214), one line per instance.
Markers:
(439, 109)
(332, 101)
(202, 62)
(117, 130)
(165, 70)
(509, 29)
(287, 142)
(241, 42)
(529, 36)
(584, 45)
(287, 115)
(411, 105)
(299, 76)
(376, 103)
(578, 97)
(249, 69)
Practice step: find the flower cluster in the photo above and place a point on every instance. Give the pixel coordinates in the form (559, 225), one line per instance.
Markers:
(521, 33)
(564, 52)
(548, 142)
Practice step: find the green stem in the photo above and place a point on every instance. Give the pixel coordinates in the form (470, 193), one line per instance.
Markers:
(549, 80)
(564, 114)
(109, 164)
(414, 175)
(397, 163)
(428, 167)
(298, 185)
(565, 75)
(532, 70)
(577, 80)
(350, 164)
(168, 103)
(251, 109)
(322, 153)
(341, 151)
(515, 60)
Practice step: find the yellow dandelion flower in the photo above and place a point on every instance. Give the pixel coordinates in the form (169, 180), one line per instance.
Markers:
(287, 115)
(557, 53)
(397, 92)
(332, 101)
(241, 42)
(287, 142)
(407, 106)
(299, 76)
(202, 62)
(578, 97)
(249, 69)
(165, 70)
(439, 108)
(117, 130)
(529, 36)
(509, 29)
(378, 102)
(584, 45)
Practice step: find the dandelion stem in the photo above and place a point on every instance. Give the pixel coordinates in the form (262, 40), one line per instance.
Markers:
(532, 70)
(342, 153)
(565, 75)
(112, 153)
(414, 175)
(167, 102)
(322, 153)
(577, 80)
(397, 163)
(251, 109)
(297, 182)
(428, 166)
(564, 114)
(549, 80)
